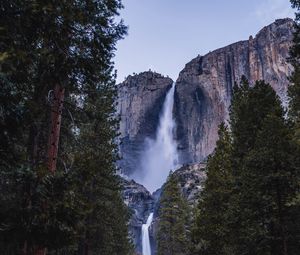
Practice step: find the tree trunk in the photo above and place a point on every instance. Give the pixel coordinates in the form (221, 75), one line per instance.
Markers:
(53, 140)
(56, 111)
(40, 251)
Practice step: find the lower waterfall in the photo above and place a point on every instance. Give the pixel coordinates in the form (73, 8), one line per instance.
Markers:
(145, 236)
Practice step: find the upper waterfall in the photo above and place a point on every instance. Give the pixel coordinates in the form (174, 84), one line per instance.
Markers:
(160, 155)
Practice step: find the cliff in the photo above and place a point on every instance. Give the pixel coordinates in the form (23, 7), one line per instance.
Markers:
(140, 100)
(204, 87)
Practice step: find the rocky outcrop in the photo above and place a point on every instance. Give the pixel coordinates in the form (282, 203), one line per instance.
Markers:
(191, 180)
(204, 87)
(140, 203)
(140, 100)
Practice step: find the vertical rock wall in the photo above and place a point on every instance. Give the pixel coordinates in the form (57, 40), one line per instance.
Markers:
(141, 99)
(204, 86)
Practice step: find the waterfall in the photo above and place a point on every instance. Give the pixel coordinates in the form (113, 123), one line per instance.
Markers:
(158, 158)
(145, 236)
(160, 155)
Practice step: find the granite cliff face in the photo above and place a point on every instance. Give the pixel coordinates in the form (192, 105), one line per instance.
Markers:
(204, 87)
(141, 98)
(203, 93)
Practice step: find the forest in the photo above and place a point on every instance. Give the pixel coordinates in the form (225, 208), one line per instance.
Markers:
(60, 187)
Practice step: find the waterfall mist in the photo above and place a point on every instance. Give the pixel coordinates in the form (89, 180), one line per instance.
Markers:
(160, 155)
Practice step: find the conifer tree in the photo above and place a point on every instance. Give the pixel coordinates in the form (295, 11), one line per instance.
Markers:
(211, 232)
(265, 177)
(172, 236)
(58, 91)
(105, 229)
(259, 197)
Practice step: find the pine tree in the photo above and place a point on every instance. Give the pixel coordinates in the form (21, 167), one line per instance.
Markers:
(210, 235)
(265, 178)
(172, 236)
(57, 96)
(254, 208)
(105, 229)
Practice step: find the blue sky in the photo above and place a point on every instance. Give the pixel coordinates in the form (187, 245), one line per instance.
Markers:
(166, 34)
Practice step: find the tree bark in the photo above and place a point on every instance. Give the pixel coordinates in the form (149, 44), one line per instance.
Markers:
(53, 140)
(56, 111)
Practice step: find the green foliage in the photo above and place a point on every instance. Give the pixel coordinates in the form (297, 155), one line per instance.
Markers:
(252, 209)
(104, 230)
(78, 209)
(210, 235)
(264, 175)
(172, 236)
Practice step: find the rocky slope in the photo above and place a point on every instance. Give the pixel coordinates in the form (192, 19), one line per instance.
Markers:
(191, 180)
(140, 101)
(204, 86)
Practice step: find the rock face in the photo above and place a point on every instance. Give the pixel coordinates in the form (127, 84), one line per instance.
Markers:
(141, 98)
(191, 180)
(204, 87)
(203, 93)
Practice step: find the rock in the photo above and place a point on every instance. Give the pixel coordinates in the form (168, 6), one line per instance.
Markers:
(191, 180)
(140, 100)
(204, 87)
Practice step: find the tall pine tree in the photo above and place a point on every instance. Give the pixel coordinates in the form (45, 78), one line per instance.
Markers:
(258, 196)
(57, 99)
(172, 238)
(210, 235)
(265, 177)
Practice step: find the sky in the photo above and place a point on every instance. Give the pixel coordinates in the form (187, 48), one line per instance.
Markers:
(164, 35)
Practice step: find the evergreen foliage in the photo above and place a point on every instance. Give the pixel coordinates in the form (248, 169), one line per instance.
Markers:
(172, 236)
(252, 209)
(265, 177)
(78, 208)
(211, 227)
